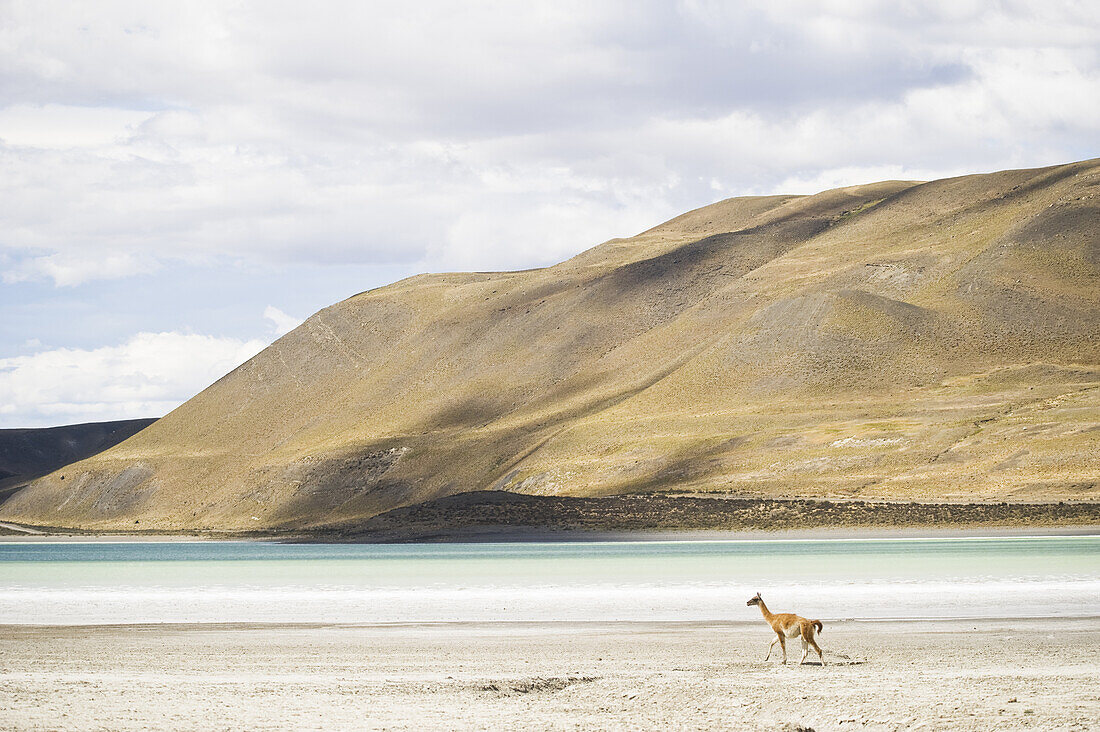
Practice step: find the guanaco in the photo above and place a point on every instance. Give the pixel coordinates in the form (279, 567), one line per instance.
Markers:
(789, 625)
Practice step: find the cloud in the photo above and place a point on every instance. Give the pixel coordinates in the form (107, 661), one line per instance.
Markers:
(68, 269)
(146, 376)
(143, 136)
(280, 321)
(56, 125)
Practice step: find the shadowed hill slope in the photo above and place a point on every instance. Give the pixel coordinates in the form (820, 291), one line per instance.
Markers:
(30, 453)
(902, 340)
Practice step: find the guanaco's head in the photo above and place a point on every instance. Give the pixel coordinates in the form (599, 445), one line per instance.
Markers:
(755, 601)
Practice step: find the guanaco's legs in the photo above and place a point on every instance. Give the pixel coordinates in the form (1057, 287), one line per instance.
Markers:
(818, 649)
(770, 648)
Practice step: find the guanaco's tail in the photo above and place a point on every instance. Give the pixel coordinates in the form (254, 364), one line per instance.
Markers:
(817, 624)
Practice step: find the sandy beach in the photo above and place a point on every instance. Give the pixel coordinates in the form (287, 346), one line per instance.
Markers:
(960, 674)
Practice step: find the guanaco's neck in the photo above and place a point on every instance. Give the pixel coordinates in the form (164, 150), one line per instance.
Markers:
(765, 611)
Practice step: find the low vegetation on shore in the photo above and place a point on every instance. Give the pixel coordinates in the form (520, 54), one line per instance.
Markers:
(512, 514)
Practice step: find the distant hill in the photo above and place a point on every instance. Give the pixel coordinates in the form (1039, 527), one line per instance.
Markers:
(900, 340)
(30, 453)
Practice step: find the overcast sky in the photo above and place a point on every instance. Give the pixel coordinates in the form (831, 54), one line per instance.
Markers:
(180, 183)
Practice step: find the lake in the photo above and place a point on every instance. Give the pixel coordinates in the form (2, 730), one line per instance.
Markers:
(702, 581)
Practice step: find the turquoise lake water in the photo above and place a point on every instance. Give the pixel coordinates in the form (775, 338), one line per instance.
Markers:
(77, 583)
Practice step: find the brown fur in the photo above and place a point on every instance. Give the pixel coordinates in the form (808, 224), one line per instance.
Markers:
(789, 625)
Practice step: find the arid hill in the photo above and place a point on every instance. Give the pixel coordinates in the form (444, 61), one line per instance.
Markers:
(911, 341)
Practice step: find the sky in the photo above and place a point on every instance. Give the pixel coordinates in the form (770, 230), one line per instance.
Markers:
(183, 182)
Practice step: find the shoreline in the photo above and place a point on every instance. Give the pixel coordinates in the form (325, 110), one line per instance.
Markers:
(839, 533)
(473, 535)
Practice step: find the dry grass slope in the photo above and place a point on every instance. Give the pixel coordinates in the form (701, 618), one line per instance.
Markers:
(913, 341)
